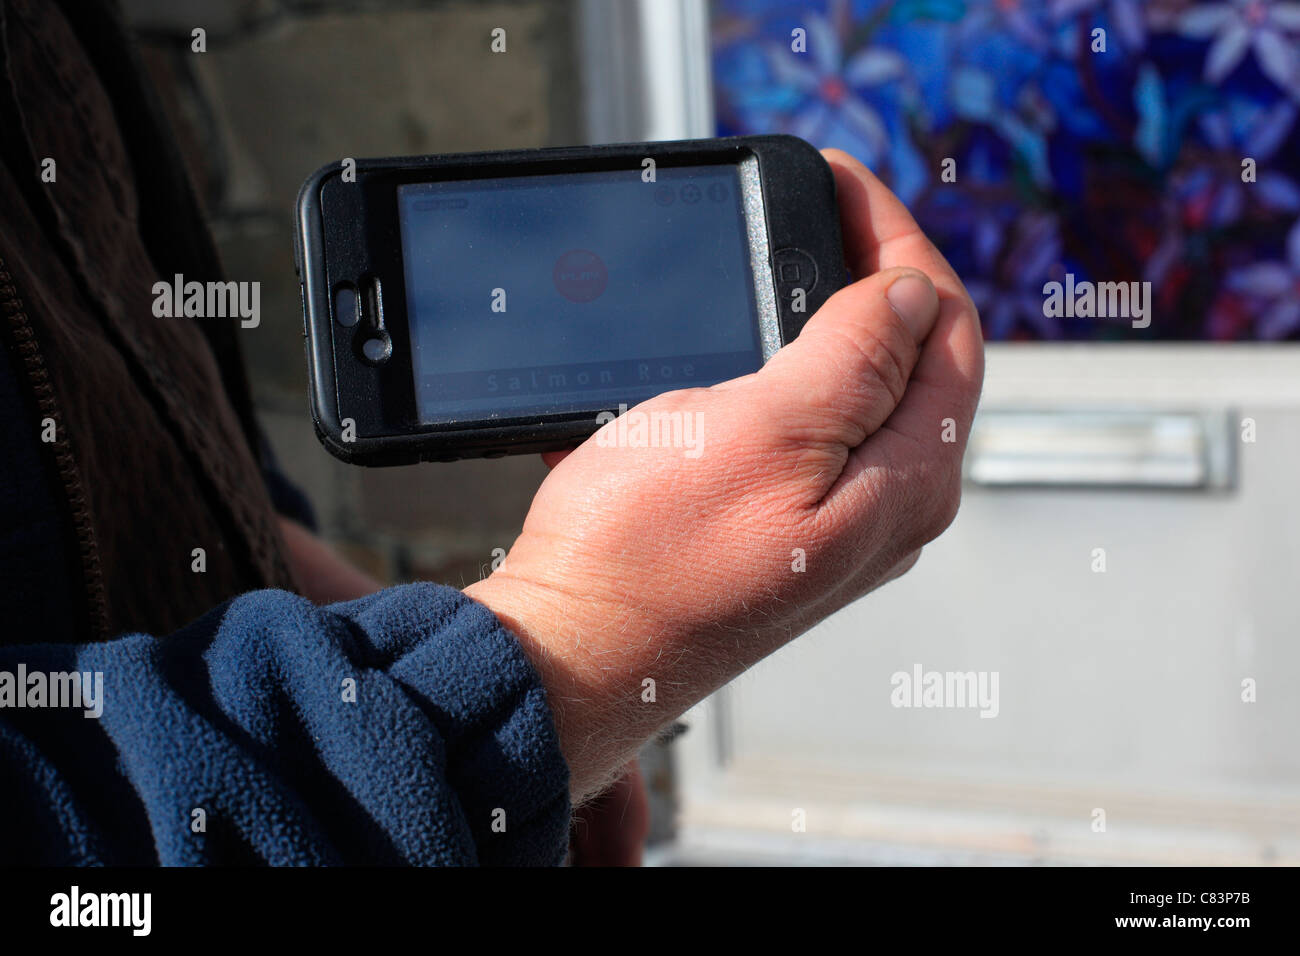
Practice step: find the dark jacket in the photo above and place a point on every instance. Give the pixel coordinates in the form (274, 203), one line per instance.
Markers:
(235, 726)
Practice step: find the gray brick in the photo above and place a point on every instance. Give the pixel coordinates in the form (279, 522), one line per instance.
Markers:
(370, 84)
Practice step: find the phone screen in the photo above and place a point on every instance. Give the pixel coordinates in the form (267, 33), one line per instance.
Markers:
(548, 294)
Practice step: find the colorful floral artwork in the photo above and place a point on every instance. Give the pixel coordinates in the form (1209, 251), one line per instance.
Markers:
(1114, 140)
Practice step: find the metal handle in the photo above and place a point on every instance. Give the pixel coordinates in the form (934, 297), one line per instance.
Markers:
(1111, 448)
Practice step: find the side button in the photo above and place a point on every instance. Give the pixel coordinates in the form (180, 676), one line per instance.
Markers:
(347, 305)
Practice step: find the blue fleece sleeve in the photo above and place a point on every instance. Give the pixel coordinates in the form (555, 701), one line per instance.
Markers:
(405, 727)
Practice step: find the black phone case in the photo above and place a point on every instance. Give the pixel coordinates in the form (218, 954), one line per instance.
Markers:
(803, 237)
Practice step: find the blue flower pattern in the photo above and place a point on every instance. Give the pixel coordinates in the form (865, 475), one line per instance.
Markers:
(1170, 156)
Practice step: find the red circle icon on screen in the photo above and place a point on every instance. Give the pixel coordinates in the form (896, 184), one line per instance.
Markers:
(580, 276)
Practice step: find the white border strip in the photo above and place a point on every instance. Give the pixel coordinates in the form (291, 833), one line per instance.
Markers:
(646, 68)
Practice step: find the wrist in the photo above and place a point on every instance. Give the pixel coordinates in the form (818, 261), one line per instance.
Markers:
(590, 656)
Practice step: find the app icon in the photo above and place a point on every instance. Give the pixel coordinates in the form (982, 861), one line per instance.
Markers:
(580, 276)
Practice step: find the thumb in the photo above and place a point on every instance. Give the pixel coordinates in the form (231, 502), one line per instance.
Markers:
(848, 369)
(553, 458)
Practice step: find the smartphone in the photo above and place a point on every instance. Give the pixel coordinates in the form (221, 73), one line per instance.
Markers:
(487, 304)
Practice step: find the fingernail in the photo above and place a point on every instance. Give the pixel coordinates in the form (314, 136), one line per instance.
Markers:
(913, 299)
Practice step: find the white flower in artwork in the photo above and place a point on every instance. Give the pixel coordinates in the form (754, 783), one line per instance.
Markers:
(829, 81)
(1267, 28)
(1275, 286)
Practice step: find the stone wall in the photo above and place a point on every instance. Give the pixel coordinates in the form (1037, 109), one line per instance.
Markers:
(285, 87)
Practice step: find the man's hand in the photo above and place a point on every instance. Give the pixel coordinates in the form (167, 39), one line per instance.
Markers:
(644, 579)
(611, 830)
(322, 576)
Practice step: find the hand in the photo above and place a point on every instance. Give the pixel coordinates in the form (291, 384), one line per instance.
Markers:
(321, 574)
(611, 830)
(646, 578)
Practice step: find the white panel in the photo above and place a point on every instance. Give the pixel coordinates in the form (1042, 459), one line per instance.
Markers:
(1118, 690)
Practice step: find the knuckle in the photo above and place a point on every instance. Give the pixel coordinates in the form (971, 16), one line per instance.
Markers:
(947, 501)
(908, 563)
(947, 512)
(970, 309)
(933, 503)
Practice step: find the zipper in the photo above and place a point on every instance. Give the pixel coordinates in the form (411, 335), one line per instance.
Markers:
(28, 349)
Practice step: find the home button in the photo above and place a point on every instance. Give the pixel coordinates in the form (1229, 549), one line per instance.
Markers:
(793, 269)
